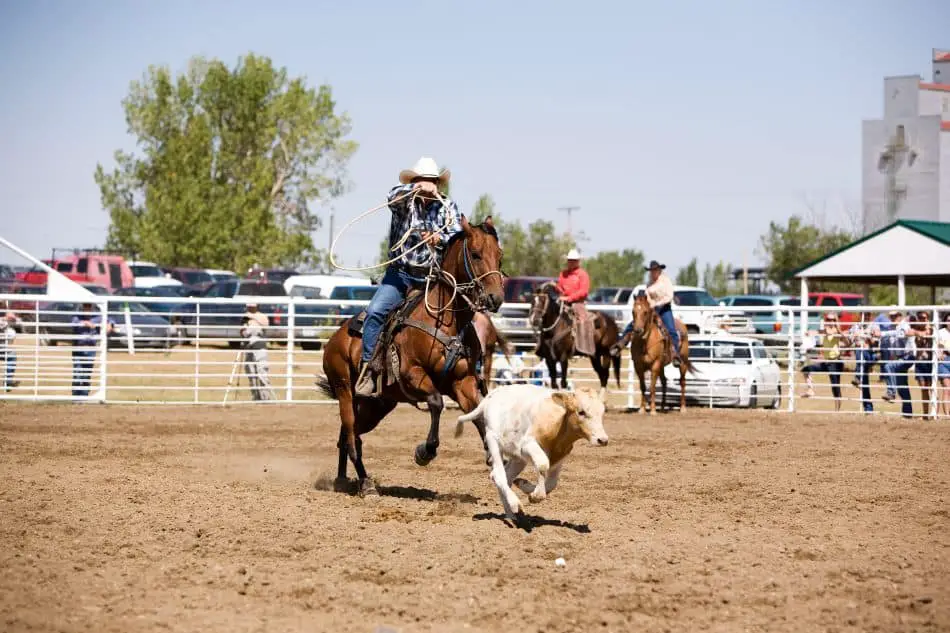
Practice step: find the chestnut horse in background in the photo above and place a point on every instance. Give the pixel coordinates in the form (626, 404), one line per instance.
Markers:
(437, 346)
(547, 317)
(651, 349)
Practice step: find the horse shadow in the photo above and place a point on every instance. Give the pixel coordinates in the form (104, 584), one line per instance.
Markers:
(351, 487)
(528, 522)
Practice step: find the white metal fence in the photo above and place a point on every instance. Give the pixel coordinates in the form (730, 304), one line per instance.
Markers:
(190, 350)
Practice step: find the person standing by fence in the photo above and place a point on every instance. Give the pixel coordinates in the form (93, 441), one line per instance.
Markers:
(10, 325)
(254, 326)
(86, 331)
(830, 345)
(923, 368)
(864, 339)
(903, 350)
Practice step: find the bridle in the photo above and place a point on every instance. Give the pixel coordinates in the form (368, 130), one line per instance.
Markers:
(651, 322)
(544, 292)
(472, 291)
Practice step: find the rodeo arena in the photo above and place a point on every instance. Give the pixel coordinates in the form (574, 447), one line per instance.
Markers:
(194, 449)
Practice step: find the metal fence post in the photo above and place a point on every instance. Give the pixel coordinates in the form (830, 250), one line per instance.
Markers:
(197, 348)
(631, 375)
(934, 365)
(103, 349)
(36, 350)
(291, 321)
(791, 361)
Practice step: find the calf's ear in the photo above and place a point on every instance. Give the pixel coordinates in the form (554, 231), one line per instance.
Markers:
(565, 399)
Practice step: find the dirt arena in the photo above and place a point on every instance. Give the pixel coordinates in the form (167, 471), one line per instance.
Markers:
(175, 518)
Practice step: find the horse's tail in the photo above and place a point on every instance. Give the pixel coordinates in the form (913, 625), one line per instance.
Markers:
(504, 343)
(326, 387)
(474, 414)
(690, 367)
(615, 361)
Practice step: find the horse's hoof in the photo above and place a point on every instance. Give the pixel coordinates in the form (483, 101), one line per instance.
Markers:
(536, 498)
(653, 412)
(422, 456)
(368, 488)
(341, 484)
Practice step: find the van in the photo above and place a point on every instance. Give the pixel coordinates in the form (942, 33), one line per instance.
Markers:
(320, 286)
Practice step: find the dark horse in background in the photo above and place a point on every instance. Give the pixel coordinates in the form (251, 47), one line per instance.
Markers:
(551, 319)
(438, 349)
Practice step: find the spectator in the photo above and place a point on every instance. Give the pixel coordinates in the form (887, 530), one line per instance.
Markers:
(885, 324)
(943, 368)
(86, 331)
(903, 350)
(865, 336)
(830, 345)
(10, 325)
(254, 324)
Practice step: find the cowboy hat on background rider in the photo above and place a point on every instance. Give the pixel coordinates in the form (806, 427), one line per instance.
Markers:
(660, 295)
(429, 220)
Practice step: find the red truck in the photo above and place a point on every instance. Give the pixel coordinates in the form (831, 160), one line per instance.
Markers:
(91, 267)
(838, 300)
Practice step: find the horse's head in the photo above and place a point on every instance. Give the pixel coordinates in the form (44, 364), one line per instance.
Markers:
(642, 314)
(473, 258)
(544, 302)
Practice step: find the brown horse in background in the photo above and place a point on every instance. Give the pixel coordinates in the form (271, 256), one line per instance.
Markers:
(651, 349)
(549, 317)
(491, 339)
(439, 326)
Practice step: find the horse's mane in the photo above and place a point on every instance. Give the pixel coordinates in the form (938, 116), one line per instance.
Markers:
(484, 228)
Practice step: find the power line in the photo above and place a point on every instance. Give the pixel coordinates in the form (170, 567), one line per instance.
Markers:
(570, 212)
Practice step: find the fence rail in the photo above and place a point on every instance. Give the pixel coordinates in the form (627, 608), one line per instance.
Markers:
(191, 351)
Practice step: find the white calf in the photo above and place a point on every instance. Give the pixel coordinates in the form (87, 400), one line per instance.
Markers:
(532, 423)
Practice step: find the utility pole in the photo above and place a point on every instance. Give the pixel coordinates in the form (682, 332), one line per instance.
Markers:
(570, 212)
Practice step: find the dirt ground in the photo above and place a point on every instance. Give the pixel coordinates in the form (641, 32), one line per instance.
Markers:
(218, 519)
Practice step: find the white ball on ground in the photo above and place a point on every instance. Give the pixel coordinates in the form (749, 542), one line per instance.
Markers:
(560, 562)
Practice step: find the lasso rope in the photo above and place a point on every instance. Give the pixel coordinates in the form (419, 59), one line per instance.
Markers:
(399, 243)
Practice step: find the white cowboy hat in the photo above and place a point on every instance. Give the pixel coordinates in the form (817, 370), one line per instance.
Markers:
(573, 254)
(425, 167)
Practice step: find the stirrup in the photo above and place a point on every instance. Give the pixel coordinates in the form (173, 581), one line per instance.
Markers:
(366, 375)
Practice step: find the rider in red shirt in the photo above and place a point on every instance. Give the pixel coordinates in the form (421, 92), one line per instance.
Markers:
(573, 283)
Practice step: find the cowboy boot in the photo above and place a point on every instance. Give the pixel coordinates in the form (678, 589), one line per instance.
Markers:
(366, 382)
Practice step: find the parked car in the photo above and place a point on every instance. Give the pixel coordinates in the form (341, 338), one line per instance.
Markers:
(149, 275)
(731, 371)
(174, 312)
(148, 328)
(192, 276)
(221, 275)
(277, 275)
(836, 300)
(316, 322)
(96, 267)
(711, 317)
(610, 295)
(772, 323)
(223, 320)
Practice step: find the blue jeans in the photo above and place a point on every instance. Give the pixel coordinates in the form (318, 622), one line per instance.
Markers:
(666, 315)
(83, 360)
(895, 372)
(392, 290)
(10, 365)
(864, 364)
(833, 369)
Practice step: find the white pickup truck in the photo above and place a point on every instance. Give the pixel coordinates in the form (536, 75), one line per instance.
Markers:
(692, 305)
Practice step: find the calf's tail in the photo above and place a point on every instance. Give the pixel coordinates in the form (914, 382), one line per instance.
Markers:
(474, 414)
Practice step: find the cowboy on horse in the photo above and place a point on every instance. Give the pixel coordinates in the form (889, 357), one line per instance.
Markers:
(660, 296)
(421, 217)
(573, 285)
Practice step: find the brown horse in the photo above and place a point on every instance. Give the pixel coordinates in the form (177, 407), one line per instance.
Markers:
(437, 349)
(651, 349)
(490, 339)
(549, 317)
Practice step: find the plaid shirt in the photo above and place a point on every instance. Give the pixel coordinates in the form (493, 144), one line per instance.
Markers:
(417, 215)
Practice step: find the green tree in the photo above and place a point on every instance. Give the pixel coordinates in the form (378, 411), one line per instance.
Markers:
(232, 163)
(483, 208)
(615, 268)
(688, 276)
(788, 248)
(716, 278)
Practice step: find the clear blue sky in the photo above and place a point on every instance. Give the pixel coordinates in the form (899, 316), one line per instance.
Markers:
(680, 128)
